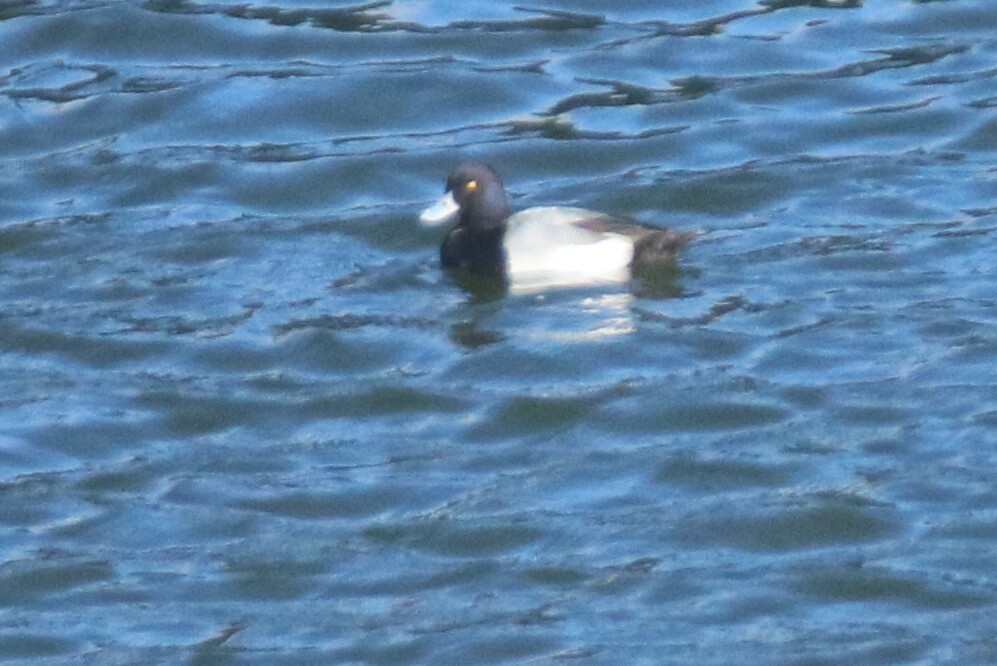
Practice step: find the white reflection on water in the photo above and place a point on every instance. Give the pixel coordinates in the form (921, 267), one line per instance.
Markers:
(597, 317)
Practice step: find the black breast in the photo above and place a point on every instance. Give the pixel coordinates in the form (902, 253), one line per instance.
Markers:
(478, 251)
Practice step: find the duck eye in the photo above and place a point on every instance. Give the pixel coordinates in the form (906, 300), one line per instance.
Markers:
(471, 186)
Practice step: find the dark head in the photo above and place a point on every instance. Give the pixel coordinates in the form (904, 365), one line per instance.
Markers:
(476, 208)
(479, 192)
(475, 196)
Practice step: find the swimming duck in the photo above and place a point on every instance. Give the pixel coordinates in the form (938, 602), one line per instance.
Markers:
(546, 246)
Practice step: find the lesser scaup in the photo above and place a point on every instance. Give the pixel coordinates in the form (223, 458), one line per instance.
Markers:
(540, 247)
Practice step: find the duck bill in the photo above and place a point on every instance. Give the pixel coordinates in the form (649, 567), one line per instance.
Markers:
(441, 212)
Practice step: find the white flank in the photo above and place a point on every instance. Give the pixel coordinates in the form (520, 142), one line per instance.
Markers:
(545, 249)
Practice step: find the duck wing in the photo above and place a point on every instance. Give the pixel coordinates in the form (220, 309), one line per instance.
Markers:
(651, 244)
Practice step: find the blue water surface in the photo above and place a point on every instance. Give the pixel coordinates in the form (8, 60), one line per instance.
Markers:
(245, 417)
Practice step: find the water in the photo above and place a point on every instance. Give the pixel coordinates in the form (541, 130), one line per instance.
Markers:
(244, 418)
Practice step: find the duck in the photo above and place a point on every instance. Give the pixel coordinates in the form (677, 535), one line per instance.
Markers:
(544, 246)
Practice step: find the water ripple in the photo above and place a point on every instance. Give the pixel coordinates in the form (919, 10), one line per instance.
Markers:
(244, 416)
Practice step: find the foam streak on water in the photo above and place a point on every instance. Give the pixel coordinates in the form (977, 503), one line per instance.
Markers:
(245, 418)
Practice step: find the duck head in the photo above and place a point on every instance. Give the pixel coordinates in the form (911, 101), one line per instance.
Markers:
(474, 197)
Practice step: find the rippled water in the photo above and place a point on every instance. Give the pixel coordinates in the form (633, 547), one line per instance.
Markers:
(244, 418)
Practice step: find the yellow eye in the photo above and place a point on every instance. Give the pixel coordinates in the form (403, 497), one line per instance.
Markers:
(471, 186)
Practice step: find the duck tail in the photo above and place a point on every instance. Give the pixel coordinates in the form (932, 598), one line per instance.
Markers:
(662, 246)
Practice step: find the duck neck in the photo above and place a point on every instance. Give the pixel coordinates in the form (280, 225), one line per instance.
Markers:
(475, 250)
